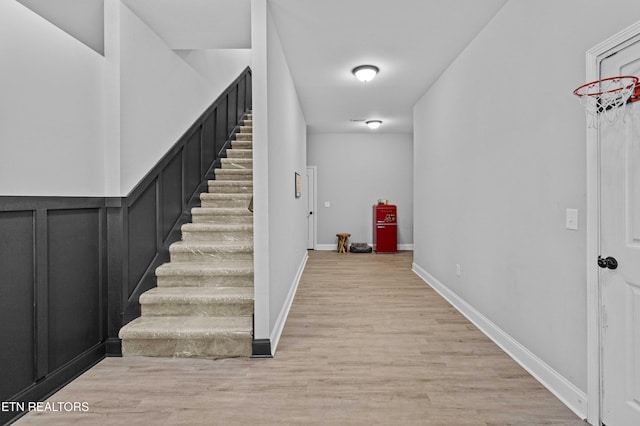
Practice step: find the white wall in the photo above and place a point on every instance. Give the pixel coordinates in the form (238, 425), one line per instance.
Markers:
(279, 150)
(261, 235)
(74, 123)
(499, 148)
(51, 107)
(354, 171)
(161, 96)
(287, 145)
(218, 66)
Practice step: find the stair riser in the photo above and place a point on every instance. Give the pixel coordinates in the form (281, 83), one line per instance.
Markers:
(242, 174)
(244, 137)
(218, 309)
(241, 236)
(224, 203)
(242, 145)
(222, 220)
(221, 256)
(245, 128)
(240, 153)
(231, 188)
(237, 163)
(234, 177)
(205, 281)
(210, 347)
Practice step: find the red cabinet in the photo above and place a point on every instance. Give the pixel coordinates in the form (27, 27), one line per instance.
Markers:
(385, 228)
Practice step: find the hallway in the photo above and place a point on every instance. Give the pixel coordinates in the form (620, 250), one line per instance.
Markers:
(366, 342)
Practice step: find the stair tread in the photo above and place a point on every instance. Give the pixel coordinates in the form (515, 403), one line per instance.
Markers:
(177, 327)
(239, 211)
(245, 171)
(205, 245)
(237, 160)
(225, 196)
(230, 182)
(219, 227)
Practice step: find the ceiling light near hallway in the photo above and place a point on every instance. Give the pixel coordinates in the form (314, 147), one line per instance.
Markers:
(365, 73)
(374, 124)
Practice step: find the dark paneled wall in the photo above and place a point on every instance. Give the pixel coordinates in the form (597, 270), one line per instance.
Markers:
(72, 269)
(52, 293)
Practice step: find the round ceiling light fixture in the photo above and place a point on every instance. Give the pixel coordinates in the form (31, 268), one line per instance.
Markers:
(365, 73)
(373, 124)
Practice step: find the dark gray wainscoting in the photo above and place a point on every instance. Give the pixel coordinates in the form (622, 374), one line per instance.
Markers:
(53, 293)
(72, 268)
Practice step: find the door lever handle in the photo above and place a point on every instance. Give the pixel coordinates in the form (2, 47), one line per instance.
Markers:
(609, 262)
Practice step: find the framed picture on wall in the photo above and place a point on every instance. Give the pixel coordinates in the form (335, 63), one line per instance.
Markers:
(298, 188)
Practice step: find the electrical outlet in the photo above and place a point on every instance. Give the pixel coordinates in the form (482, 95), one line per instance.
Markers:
(458, 270)
(572, 219)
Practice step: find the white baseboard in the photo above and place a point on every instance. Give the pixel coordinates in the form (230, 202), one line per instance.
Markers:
(557, 384)
(326, 247)
(284, 312)
(334, 247)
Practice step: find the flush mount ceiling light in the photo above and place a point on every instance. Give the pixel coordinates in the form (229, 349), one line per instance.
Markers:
(365, 73)
(373, 124)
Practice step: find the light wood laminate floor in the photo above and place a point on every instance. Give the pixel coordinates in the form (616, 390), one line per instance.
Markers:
(366, 343)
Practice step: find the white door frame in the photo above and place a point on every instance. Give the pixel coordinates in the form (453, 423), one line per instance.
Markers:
(313, 203)
(594, 376)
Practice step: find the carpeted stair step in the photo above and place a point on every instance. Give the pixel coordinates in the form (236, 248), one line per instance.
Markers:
(221, 215)
(240, 153)
(244, 137)
(217, 232)
(242, 145)
(198, 301)
(208, 199)
(248, 122)
(205, 337)
(246, 128)
(231, 186)
(206, 274)
(237, 163)
(201, 251)
(234, 174)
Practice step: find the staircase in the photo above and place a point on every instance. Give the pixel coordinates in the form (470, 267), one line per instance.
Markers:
(203, 304)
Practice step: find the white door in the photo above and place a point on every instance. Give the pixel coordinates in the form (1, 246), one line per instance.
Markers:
(311, 211)
(620, 240)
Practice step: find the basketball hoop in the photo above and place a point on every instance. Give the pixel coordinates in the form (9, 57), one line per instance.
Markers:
(604, 99)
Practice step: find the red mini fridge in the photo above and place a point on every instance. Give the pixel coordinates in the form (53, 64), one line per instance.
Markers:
(385, 228)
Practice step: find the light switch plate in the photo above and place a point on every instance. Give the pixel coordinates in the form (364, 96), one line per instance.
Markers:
(572, 219)
(327, 203)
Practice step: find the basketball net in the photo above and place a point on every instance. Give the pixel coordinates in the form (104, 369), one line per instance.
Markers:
(604, 100)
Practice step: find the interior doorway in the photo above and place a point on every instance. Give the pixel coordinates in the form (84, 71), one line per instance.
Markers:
(613, 237)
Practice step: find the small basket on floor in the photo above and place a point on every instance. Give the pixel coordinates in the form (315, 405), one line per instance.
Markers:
(360, 248)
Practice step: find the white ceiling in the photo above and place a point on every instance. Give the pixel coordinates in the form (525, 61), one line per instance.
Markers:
(411, 41)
